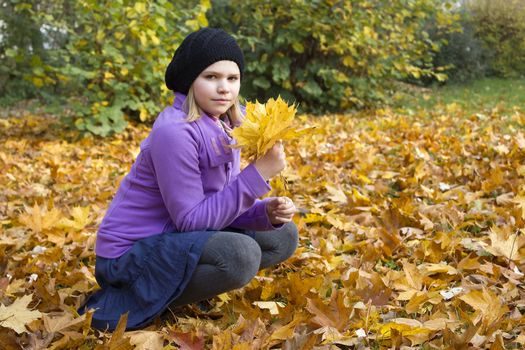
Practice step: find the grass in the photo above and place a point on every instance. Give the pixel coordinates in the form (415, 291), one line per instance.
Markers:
(476, 96)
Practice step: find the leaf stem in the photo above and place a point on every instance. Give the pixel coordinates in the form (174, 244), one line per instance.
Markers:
(512, 248)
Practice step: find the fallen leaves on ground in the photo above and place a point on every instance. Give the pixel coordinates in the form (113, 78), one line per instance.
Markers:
(411, 224)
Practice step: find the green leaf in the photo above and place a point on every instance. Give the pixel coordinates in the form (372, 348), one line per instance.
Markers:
(298, 47)
(312, 88)
(261, 82)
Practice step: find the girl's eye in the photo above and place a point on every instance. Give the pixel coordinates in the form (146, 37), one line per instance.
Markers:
(210, 76)
(233, 78)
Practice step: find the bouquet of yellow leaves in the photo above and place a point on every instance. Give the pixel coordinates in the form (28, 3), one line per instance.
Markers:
(264, 125)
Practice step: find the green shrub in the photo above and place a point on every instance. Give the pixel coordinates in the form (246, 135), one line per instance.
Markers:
(500, 25)
(332, 55)
(106, 59)
(21, 47)
(463, 52)
(111, 57)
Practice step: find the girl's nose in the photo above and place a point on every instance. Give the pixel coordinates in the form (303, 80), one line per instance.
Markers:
(222, 87)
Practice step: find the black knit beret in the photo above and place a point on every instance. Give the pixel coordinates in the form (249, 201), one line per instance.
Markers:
(197, 51)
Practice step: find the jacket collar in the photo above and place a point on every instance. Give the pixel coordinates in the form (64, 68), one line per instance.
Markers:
(179, 100)
(215, 140)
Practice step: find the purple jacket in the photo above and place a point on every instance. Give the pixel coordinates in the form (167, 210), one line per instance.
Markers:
(185, 178)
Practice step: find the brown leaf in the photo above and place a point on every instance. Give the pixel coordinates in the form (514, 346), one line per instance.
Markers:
(415, 302)
(414, 278)
(460, 341)
(187, 341)
(118, 341)
(333, 315)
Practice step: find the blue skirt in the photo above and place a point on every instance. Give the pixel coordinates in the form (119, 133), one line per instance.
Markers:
(145, 280)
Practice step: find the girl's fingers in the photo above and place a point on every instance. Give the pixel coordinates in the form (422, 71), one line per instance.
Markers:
(275, 203)
(282, 208)
(284, 215)
(286, 202)
(285, 212)
(285, 207)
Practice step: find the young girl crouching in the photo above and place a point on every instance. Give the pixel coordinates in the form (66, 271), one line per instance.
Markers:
(186, 223)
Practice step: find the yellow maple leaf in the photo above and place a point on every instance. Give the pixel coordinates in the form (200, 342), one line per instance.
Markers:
(146, 340)
(81, 219)
(520, 202)
(431, 269)
(264, 125)
(413, 276)
(416, 335)
(38, 219)
(62, 323)
(272, 306)
(417, 300)
(487, 303)
(286, 331)
(336, 194)
(506, 244)
(16, 316)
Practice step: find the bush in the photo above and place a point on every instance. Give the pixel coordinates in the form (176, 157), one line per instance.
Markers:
(109, 56)
(21, 46)
(463, 52)
(500, 25)
(330, 55)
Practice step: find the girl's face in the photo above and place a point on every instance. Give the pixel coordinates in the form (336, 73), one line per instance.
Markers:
(217, 87)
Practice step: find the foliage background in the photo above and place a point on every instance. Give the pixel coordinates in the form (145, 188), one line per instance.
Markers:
(333, 55)
(101, 63)
(490, 44)
(105, 58)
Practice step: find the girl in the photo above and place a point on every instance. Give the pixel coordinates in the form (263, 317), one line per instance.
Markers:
(185, 224)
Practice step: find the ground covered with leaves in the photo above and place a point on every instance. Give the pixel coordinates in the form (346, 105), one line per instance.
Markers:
(411, 230)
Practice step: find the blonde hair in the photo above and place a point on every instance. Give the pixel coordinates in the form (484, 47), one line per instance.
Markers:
(194, 112)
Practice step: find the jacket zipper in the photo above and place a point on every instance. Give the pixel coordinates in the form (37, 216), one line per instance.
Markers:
(227, 166)
(228, 173)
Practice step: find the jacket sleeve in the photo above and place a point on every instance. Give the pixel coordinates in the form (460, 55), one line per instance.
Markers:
(255, 218)
(175, 156)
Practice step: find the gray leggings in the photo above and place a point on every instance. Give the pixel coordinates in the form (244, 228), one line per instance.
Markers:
(230, 260)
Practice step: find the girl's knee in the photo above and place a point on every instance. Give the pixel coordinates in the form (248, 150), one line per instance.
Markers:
(290, 239)
(244, 261)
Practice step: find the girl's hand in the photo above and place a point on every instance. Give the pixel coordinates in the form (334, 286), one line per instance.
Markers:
(272, 162)
(280, 210)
